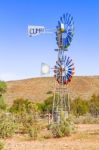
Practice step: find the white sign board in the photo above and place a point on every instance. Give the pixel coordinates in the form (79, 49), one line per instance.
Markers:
(35, 30)
(45, 69)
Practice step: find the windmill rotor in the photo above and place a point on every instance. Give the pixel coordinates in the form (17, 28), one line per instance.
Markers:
(65, 31)
(64, 70)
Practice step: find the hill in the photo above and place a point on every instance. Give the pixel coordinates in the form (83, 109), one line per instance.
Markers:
(37, 89)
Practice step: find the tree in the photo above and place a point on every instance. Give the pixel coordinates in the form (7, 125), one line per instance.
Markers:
(94, 105)
(46, 106)
(79, 107)
(23, 106)
(3, 88)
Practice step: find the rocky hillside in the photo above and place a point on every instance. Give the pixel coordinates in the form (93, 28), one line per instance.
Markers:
(38, 89)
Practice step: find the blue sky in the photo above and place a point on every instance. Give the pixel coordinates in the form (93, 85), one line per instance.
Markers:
(21, 56)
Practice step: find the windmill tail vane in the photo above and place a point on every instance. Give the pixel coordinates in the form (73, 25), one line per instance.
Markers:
(37, 30)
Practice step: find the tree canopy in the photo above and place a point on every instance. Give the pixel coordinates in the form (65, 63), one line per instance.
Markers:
(3, 87)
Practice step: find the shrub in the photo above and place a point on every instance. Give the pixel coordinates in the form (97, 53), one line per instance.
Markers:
(94, 105)
(64, 128)
(79, 107)
(23, 106)
(2, 103)
(46, 106)
(3, 87)
(33, 132)
(26, 116)
(27, 124)
(41, 107)
(7, 125)
(31, 125)
(1, 145)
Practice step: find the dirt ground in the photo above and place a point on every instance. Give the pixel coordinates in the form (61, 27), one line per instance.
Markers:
(86, 138)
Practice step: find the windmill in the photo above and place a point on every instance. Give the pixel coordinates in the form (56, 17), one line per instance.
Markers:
(64, 68)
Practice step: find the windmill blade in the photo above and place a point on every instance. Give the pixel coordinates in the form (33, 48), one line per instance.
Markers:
(69, 38)
(68, 41)
(71, 69)
(69, 72)
(70, 21)
(68, 18)
(61, 19)
(59, 24)
(65, 42)
(57, 62)
(67, 60)
(56, 27)
(70, 32)
(69, 76)
(71, 65)
(64, 17)
(56, 67)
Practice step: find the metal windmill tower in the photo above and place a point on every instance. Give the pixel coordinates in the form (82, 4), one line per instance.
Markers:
(64, 68)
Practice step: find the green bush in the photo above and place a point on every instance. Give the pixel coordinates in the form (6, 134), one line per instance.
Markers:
(30, 125)
(46, 106)
(33, 132)
(3, 88)
(94, 105)
(23, 106)
(79, 107)
(64, 128)
(3, 106)
(7, 125)
(1, 145)
(26, 113)
(27, 124)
